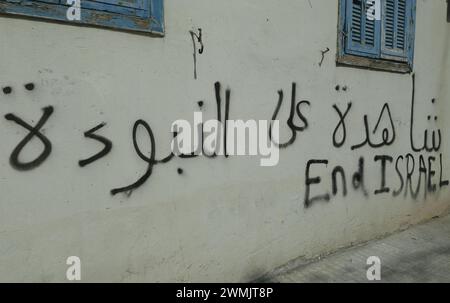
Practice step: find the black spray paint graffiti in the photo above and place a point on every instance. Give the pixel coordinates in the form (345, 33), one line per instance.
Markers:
(421, 168)
(108, 145)
(383, 188)
(423, 174)
(435, 145)
(218, 93)
(425, 171)
(8, 89)
(151, 161)
(294, 109)
(316, 180)
(341, 124)
(385, 140)
(196, 38)
(407, 167)
(357, 181)
(33, 132)
(387, 137)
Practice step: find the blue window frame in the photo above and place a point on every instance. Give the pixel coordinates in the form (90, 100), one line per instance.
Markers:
(134, 15)
(388, 42)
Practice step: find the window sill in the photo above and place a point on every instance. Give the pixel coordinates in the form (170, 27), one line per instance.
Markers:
(373, 64)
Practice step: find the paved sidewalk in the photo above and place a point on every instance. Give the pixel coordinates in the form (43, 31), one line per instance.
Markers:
(419, 254)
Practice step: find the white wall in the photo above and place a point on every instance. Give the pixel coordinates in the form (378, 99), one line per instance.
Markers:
(222, 219)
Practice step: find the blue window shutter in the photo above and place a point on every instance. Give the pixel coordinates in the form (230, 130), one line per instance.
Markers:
(49, 1)
(133, 15)
(395, 22)
(398, 30)
(362, 34)
(139, 4)
(139, 8)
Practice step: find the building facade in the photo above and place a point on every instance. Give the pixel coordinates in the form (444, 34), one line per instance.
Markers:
(362, 119)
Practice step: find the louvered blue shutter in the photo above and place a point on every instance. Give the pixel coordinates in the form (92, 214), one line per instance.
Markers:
(134, 15)
(137, 8)
(48, 1)
(126, 3)
(398, 30)
(362, 34)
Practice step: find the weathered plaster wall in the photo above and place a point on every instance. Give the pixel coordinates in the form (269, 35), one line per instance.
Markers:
(221, 219)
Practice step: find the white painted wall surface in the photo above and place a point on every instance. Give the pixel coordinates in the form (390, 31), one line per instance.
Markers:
(222, 219)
